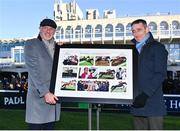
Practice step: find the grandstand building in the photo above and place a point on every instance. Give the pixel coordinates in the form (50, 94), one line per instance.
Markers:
(112, 30)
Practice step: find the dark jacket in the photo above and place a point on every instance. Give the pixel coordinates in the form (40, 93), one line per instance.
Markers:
(152, 70)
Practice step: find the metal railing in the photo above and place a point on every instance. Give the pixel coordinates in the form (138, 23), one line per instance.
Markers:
(78, 36)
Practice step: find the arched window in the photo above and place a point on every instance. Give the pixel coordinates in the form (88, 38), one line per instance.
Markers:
(175, 25)
(175, 28)
(59, 32)
(78, 32)
(128, 29)
(88, 31)
(98, 31)
(119, 29)
(109, 30)
(152, 26)
(164, 25)
(69, 32)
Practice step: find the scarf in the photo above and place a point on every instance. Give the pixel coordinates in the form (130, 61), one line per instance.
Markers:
(50, 46)
(140, 44)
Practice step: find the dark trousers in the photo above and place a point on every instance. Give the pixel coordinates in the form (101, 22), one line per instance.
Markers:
(148, 123)
(45, 126)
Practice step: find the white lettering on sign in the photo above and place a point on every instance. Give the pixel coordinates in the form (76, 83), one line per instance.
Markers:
(13, 100)
(174, 104)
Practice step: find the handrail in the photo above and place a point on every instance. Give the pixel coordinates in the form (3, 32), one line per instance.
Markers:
(111, 35)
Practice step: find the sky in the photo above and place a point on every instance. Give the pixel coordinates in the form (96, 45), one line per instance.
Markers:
(21, 18)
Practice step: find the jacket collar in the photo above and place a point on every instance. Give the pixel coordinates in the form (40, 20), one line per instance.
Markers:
(39, 37)
(149, 40)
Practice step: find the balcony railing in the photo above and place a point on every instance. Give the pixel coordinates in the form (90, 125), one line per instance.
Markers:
(105, 36)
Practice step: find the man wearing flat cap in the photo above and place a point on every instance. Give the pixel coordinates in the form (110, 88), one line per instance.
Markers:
(42, 111)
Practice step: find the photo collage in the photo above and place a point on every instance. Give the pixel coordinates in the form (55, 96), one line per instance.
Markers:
(98, 73)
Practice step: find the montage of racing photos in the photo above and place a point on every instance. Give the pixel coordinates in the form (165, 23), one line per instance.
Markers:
(94, 73)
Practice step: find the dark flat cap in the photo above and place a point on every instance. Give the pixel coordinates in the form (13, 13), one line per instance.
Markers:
(48, 22)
